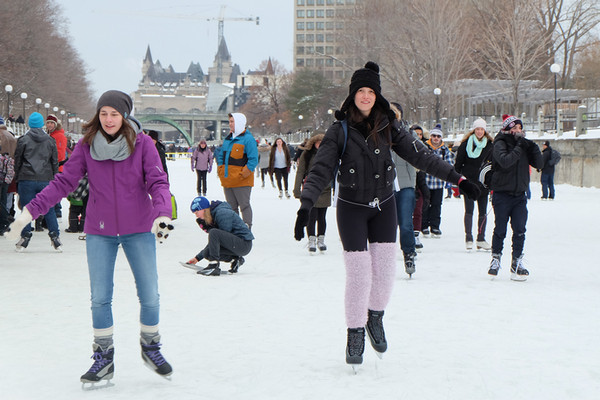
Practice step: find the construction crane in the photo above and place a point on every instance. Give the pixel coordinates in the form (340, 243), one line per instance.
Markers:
(221, 24)
(221, 19)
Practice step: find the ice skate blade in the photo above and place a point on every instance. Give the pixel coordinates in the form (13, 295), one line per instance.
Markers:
(518, 278)
(94, 385)
(151, 368)
(379, 355)
(355, 368)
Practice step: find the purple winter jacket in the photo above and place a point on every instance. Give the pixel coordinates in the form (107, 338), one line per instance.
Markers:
(125, 196)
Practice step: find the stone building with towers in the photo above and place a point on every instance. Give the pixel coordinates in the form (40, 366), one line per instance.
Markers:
(195, 101)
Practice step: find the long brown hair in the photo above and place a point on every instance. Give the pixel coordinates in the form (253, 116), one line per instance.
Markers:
(380, 117)
(92, 127)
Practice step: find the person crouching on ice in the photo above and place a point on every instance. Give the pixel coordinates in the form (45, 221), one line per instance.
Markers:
(229, 238)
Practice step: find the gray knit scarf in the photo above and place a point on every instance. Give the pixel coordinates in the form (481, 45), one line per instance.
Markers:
(102, 150)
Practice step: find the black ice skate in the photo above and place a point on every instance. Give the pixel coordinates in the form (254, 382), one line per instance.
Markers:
(376, 332)
(355, 346)
(103, 369)
(518, 271)
(409, 264)
(494, 265)
(55, 241)
(154, 359)
(236, 264)
(24, 241)
(211, 270)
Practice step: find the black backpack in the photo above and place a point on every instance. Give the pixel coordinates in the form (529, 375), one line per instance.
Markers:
(554, 158)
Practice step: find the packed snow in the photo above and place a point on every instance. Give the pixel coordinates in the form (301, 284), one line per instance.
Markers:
(276, 330)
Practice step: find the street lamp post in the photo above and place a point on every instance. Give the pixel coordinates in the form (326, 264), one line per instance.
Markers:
(47, 106)
(555, 69)
(437, 92)
(24, 97)
(38, 101)
(8, 89)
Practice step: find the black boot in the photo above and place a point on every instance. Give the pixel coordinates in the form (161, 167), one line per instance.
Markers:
(376, 332)
(355, 346)
(103, 367)
(153, 357)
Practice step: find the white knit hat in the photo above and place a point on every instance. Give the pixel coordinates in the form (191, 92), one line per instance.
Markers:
(480, 123)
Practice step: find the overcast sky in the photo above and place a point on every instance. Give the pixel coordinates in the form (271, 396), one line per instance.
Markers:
(111, 36)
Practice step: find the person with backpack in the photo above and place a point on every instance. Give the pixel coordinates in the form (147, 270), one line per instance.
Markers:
(474, 151)
(551, 158)
(356, 151)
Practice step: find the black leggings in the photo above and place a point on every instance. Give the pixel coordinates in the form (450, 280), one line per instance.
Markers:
(358, 224)
(201, 183)
(317, 217)
(281, 173)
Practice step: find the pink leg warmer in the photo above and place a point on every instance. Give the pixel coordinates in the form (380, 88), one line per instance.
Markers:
(358, 287)
(383, 259)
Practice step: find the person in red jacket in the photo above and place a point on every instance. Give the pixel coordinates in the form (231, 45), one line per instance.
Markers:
(56, 131)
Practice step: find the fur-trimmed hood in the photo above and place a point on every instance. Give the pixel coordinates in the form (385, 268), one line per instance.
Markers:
(311, 142)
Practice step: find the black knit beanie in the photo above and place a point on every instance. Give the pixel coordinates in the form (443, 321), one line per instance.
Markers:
(364, 77)
(118, 100)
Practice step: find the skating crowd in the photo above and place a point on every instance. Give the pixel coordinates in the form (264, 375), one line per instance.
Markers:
(384, 176)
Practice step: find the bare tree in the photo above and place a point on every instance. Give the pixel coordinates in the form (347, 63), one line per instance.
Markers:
(37, 56)
(510, 43)
(419, 44)
(569, 25)
(266, 102)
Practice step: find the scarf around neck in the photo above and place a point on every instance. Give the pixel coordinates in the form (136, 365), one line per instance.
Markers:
(102, 150)
(479, 146)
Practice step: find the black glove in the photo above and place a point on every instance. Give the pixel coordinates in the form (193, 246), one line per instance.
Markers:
(203, 225)
(521, 142)
(470, 189)
(301, 222)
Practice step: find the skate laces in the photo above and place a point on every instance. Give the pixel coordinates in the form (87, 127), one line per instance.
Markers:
(152, 351)
(99, 362)
(495, 264)
(517, 265)
(376, 326)
(356, 342)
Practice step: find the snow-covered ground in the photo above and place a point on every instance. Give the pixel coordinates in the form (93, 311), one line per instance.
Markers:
(276, 329)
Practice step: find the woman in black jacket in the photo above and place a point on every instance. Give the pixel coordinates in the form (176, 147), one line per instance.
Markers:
(474, 150)
(366, 209)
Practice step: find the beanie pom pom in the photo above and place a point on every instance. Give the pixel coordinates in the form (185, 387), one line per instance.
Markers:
(340, 115)
(504, 116)
(372, 66)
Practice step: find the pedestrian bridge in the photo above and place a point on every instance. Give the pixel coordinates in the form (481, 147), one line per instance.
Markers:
(179, 120)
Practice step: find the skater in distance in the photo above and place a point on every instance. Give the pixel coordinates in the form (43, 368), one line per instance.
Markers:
(129, 205)
(366, 209)
(229, 238)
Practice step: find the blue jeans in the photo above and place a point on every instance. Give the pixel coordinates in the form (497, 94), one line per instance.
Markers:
(140, 250)
(27, 191)
(547, 183)
(405, 205)
(514, 208)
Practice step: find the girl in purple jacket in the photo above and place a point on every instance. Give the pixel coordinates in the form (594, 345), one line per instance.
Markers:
(129, 203)
(202, 160)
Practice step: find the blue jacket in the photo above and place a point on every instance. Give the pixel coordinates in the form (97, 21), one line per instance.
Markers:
(237, 160)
